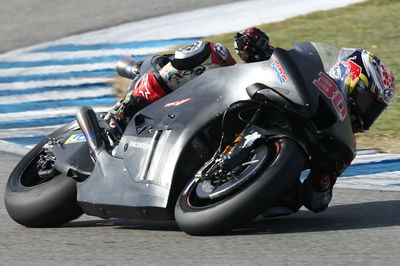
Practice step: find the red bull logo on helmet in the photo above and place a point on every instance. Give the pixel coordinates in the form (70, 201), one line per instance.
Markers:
(352, 69)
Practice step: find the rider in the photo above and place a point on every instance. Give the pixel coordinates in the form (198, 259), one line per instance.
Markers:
(169, 72)
(369, 85)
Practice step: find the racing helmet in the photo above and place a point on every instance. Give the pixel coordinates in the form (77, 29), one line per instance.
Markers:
(370, 86)
(252, 45)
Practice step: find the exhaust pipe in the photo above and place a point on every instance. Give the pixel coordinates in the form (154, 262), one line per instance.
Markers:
(127, 67)
(90, 127)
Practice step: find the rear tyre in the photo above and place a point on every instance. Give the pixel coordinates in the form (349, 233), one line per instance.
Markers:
(36, 202)
(268, 183)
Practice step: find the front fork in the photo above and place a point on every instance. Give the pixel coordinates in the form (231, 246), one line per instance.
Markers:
(234, 154)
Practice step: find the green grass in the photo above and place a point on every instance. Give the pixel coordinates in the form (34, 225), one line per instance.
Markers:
(373, 25)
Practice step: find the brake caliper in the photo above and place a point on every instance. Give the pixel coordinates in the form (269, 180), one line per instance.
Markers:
(240, 150)
(45, 165)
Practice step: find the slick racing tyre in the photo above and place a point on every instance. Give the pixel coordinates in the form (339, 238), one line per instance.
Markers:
(206, 208)
(34, 201)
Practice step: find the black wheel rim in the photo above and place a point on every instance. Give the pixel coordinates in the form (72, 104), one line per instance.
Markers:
(201, 194)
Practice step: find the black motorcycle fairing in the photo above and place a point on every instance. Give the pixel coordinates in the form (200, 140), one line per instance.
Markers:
(160, 132)
(146, 161)
(111, 184)
(339, 138)
(333, 130)
(298, 86)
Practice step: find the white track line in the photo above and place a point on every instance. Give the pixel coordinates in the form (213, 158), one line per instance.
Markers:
(380, 181)
(28, 132)
(377, 157)
(41, 56)
(53, 83)
(46, 113)
(57, 95)
(55, 69)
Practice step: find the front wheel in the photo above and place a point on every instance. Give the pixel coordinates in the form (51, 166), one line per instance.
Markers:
(40, 200)
(207, 207)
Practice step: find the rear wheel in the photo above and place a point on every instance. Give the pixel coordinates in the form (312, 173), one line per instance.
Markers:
(209, 207)
(40, 200)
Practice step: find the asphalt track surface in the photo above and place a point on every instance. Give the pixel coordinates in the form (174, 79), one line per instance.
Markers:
(362, 227)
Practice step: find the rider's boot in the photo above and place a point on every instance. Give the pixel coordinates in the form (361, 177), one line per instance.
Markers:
(316, 191)
(118, 118)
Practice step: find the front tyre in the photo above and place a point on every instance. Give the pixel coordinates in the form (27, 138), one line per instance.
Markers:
(278, 173)
(34, 201)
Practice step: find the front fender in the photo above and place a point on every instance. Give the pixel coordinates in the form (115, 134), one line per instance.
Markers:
(281, 133)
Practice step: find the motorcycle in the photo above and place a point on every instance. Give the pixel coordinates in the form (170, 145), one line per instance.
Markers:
(212, 155)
